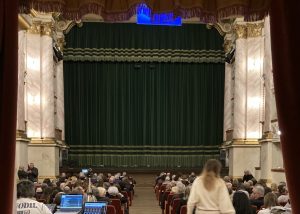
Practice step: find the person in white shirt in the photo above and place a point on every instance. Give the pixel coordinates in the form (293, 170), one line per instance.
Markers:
(26, 204)
(209, 194)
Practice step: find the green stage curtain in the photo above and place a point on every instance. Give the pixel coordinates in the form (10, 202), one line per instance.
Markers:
(141, 114)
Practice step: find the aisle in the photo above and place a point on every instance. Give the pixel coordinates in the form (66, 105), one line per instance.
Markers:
(144, 202)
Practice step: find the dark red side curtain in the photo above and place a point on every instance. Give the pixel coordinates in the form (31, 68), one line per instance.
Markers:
(284, 18)
(8, 99)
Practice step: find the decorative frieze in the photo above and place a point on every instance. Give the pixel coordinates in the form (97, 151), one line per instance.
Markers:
(248, 30)
(240, 31)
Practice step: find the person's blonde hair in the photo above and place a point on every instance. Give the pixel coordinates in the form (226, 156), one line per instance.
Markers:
(211, 172)
(270, 200)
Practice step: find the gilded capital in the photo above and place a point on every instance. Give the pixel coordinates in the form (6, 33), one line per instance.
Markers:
(35, 28)
(254, 30)
(240, 31)
(47, 28)
(248, 30)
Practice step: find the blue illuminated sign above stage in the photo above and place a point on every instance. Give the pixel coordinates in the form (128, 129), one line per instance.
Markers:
(145, 17)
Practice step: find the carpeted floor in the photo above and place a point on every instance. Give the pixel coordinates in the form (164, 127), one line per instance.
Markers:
(144, 201)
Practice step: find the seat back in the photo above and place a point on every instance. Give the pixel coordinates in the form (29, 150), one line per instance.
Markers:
(111, 209)
(117, 204)
(168, 203)
(183, 209)
(174, 205)
(127, 197)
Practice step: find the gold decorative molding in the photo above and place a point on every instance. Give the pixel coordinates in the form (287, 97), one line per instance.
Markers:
(47, 28)
(21, 134)
(245, 142)
(66, 25)
(254, 30)
(33, 13)
(23, 22)
(223, 27)
(35, 28)
(44, 141)
(248, 30)
(240, 31)
(268, 135)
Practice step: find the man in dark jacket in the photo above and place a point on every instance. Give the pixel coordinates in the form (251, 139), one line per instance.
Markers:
(247, 176)
(22, 174)
(33, 173)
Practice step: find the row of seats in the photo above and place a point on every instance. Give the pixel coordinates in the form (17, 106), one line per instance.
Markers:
(169, 206)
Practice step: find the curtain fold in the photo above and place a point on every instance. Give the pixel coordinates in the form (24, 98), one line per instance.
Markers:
(286, 67)
(8, 98)
(143, 114)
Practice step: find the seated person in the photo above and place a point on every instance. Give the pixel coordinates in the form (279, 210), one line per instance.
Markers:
(270, 200)
(57, 198)
(257, 196)
(25, 199)
(241, 203)
(183, 200)
(178, 190)
(247, 176)
(283, 200)
(113, 192)
(100, 194)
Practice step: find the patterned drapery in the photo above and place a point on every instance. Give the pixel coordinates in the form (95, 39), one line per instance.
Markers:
(120, 10)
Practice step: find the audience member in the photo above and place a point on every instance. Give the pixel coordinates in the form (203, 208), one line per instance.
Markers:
(270, 200)
(247, 176)
(241, 203)
(22, 174)
(209, 192)
(25, 201)
(282, 200)
(257, 196)
(32, 172)
(100, 194)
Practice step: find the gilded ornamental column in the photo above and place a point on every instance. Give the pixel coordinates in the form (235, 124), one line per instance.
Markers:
(247, 99)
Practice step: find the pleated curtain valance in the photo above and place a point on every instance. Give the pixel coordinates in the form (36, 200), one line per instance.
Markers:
(143, 55)
(120, 10)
